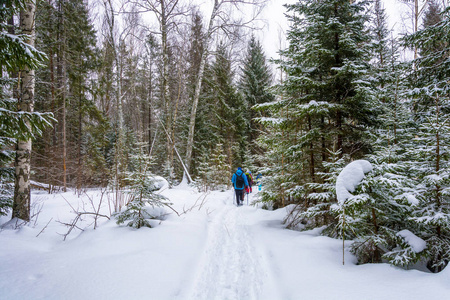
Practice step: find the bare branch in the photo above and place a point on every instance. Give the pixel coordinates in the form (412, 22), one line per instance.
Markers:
(44, 227)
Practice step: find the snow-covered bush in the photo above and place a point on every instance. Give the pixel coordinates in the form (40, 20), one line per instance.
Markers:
(139, 213)
(349, 206)
(144, 204)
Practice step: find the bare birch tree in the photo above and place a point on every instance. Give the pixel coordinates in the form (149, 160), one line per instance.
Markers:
(110, 13)
(417, 8)
(220, 19)
(166, 13)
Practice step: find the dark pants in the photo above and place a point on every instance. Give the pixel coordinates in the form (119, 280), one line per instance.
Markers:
(239, 196)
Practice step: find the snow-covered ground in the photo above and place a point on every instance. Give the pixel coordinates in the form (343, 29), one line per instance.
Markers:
(213, 250)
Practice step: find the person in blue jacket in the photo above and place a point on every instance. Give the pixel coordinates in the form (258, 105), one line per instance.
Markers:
(239, 181)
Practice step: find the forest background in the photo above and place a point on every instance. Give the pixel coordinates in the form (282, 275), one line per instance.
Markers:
(193, 95)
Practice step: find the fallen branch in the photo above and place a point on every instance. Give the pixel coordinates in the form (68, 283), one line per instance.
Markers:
(172, 209)
(44, 227)
(93, 213)
(74, 222)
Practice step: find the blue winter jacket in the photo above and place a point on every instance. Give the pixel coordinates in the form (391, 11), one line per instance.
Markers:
(239, 172)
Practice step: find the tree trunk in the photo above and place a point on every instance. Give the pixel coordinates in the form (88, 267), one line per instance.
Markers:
(120, 143)
(64, 139)
(198, 86)
(61, 89)
(416, 21)
(150, 111)
(21, 205)
(312, 167)
(80, 139)
(437, 169)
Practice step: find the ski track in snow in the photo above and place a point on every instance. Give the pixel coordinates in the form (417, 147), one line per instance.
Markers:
(230, 267)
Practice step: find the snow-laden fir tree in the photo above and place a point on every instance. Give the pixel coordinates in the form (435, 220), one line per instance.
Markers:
(208, 123)
(386, 208)
(202, 166)
(15, 55)
(144, 204)
(213, 170)
(254, 84)
(381, 214)
(218, 174)
(230, 108)
(325, 102)
(430, 151)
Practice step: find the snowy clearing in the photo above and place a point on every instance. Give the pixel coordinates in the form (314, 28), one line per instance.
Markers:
(216, 251)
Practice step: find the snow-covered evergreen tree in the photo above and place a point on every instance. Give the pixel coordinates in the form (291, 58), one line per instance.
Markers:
(280, 170)
(202, 166)
(66, 34)
(255, 82)
(144, 204)
(15, 55)
(325, 102)
(386, 208)
(431, 99)
(218, 175)
(229, 108)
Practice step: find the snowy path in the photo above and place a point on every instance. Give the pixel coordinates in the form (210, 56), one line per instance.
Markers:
(231, 267)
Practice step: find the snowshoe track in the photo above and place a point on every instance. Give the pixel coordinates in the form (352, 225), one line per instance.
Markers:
(230, 267)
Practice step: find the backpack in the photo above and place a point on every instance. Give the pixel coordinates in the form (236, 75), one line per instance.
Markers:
(239, 181)
(249, 178)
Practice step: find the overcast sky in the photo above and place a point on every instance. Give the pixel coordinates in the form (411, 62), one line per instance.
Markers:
(276, 22)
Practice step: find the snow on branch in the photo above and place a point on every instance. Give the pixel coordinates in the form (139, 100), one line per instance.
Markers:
(416, 243)
(350, 177)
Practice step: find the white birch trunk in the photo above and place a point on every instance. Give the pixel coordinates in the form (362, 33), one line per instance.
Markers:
(165, 83)
(118, 202)
(198, 86)
(21, 205)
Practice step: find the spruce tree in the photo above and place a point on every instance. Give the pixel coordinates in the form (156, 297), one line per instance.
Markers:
(207, 131)
(433, 14)
(278, 171)
(144, 204)
(431, 106)
(256, 79)
(85, 119)
(230, 109)
(149, 89)
(325, 103)
(203, 135)
(385, 211)
(218, 174)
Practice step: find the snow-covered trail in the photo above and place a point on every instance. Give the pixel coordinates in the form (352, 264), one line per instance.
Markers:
(231, 266)
(211, 251)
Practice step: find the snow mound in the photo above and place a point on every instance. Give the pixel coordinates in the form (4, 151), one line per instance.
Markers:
(160, 183)
(416, 243)
(350, 177)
